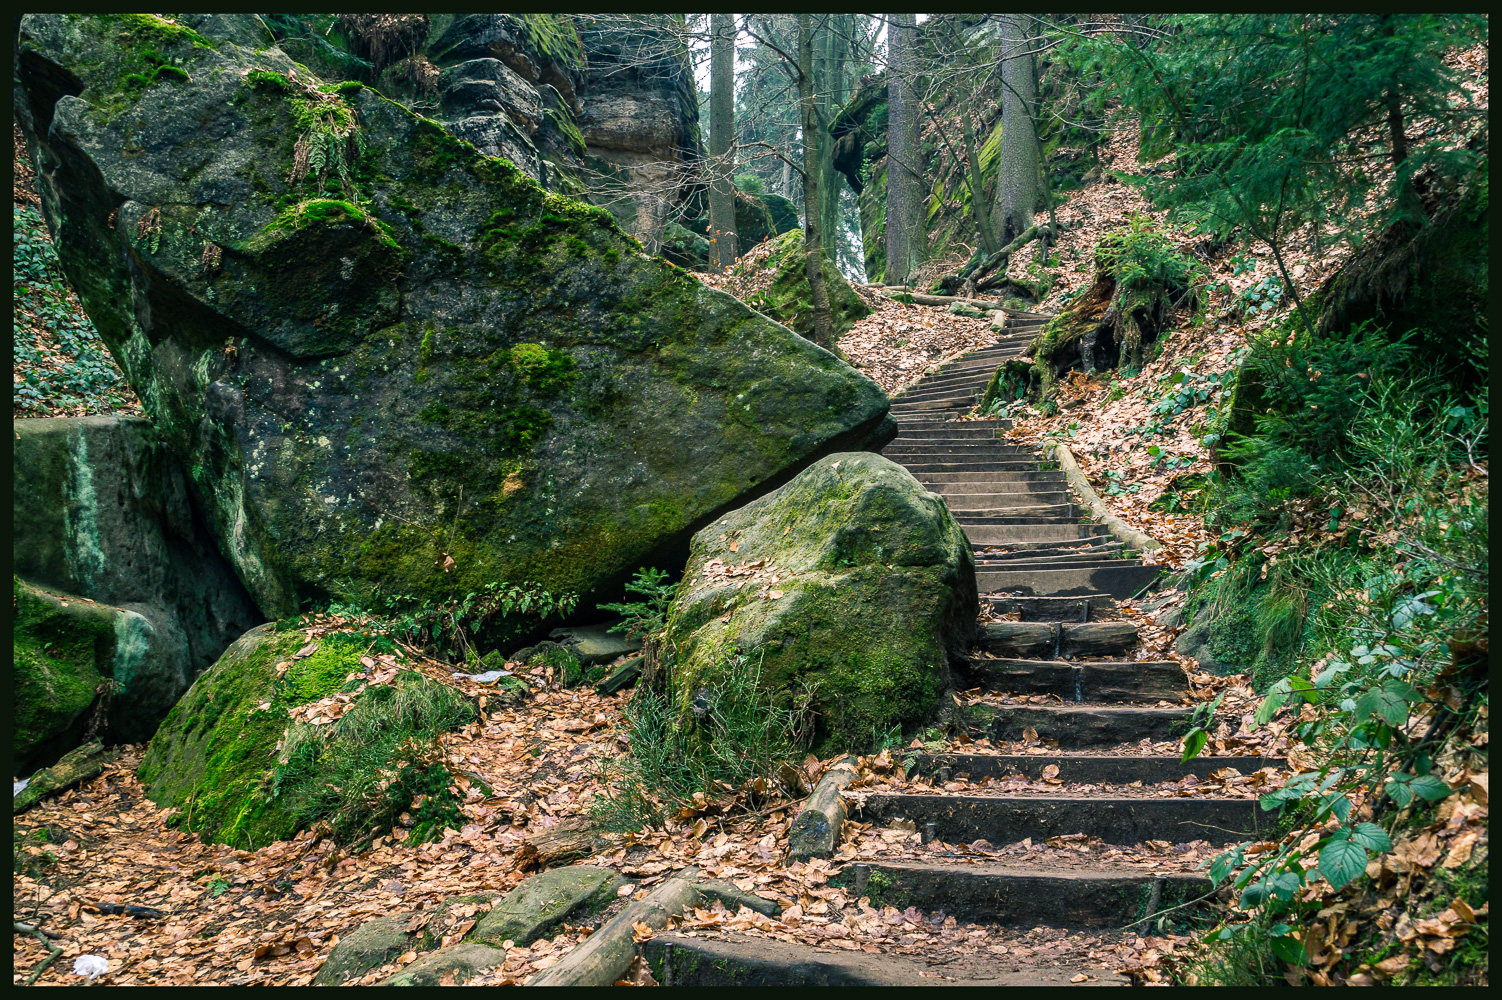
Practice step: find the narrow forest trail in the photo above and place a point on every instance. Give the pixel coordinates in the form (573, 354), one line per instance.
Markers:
(1065, 741)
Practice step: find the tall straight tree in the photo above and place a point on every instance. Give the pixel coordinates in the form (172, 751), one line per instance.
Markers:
(813, 148)
(1017, 185)
(721, 138)
(904, 185)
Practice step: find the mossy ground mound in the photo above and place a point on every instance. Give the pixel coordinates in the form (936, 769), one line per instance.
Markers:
(320, 296)
(789, 301)
(851, 579)
(244, 773)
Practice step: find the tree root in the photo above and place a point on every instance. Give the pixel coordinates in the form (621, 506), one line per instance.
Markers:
(52, 950)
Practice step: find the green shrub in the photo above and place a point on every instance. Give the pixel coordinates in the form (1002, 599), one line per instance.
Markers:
(736, 734)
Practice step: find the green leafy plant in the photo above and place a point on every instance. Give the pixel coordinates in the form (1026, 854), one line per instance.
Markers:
(735, 735)
(641, 619)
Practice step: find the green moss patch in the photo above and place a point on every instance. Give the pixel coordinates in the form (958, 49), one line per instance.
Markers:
(789, 300)
(242, 774)
(62, 648)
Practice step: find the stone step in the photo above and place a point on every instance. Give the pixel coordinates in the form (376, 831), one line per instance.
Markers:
(1101, 545)
(1047, 640)
(1069, 516)
(952, 402)
(1053, 609)
(996, 510)
(926, 394)
(742, 960)
(919, 468)
(1006, 819)
(1064, 560)
(968, 449)
(1120, 581)
(1079, 726)
(1012, 498)
(975, 377)
(980, 432)
(981, 480)
(1087, 769)
(1098, 682)
(1004, 534)
(1017, 894)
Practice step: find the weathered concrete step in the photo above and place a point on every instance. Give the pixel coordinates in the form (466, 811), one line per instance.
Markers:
(1077, 726)
(974, 377)
(1087, 769)
(1050, 561)
(1121, 582)
(1005, 534)
(1042, 640)
(1071, 516)
(1006, 819)
(967, 514)
(1016, 894)
(679, 960)
(980, 480)
(1052, 609)
(1099, 682)
(967, 393)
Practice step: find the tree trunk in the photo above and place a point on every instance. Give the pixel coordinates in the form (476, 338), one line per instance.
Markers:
(831, 49)
(721, 131)
(1017, 187)
(812, 175)
(903, 181)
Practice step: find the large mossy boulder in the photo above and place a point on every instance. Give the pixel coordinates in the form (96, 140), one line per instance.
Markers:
(789, 300)
(247, 763)
(852, 577)
(101, 510)
(387, 360)
(78, 663)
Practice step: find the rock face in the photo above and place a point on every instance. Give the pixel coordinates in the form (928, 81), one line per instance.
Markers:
(789, 300)
(101, 510)
(874, 588)
(377, 349)
(639, 118)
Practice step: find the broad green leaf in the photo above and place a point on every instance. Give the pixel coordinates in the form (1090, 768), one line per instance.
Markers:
(1341, 861)
(1193, 744)
(1430, 787)
(1289, 950)
(1372, 837)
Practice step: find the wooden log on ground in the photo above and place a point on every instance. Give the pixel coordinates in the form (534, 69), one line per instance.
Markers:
(816, 831)
(1120, 530)
(76, 767)
(568, 840)
(1022, 640)
(605, 955)
(1097, 639)
(625, 675)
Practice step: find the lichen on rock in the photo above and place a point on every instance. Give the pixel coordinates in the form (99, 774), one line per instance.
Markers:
(852, 579)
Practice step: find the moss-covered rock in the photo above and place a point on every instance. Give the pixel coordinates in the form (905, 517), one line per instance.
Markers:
(101, 510)
(458, 963)
(789, 301)
(369, 946)
(343, 386)
(853, 577)
(63, 649)
(244, 773)
(753, 221)
(539, 904)
(784, 213)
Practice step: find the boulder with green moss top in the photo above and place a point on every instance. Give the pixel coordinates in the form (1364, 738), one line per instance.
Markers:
(852, 577)
(246, 768)
(457, 964)
(77, 662)
(789, 301)
(101, 509)
(387, 360)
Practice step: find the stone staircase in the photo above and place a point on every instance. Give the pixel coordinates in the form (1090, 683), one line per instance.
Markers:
(1054, 678)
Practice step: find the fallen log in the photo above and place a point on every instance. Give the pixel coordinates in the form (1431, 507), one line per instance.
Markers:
(76, 767)
(605, 955)
(568, 840)
(816, 831)
(1119, 529)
